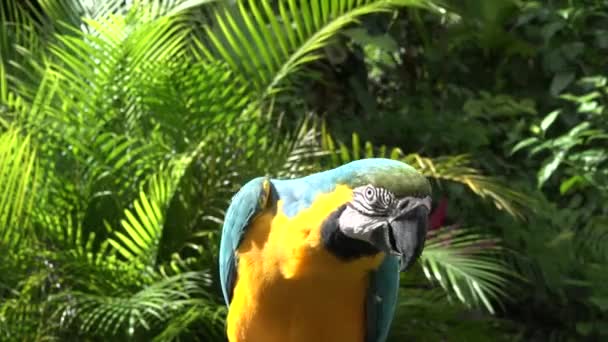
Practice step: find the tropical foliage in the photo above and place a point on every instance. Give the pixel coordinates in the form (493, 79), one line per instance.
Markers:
(126, 126)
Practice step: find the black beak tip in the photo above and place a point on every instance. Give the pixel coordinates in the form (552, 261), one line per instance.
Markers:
(406, 264)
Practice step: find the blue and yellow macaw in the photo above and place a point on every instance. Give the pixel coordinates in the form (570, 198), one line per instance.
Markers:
(317, 259)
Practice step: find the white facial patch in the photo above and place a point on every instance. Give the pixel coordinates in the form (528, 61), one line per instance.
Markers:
(357, 225)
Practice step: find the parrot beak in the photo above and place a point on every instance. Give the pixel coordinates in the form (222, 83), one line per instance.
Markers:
(405, 233)
(402, 232)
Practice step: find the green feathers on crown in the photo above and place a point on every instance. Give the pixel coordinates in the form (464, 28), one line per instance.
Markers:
(395, 176)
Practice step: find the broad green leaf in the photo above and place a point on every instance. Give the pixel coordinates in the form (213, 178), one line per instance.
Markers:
(561, 81)
(549, 167)
(524, 143)
(570, 183)
(549, 119)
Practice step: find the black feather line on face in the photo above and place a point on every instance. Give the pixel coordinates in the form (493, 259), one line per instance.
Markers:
(371, 212)
(339, 244)
(363, 201)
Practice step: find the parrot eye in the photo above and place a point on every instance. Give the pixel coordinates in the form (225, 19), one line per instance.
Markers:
(378, 197)
(370, 194)
(373, 201)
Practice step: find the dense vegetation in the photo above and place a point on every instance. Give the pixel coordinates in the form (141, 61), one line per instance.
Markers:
(126, 126)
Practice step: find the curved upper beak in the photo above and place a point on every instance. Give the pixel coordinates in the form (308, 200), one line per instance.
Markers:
(405, 233)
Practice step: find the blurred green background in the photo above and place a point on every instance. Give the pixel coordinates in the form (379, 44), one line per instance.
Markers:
(126, 126)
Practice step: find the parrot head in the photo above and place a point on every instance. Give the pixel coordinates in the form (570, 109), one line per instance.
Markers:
(388, 212)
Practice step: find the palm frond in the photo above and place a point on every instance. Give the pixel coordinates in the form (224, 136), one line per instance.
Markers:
(15, 25)
(190, 99)
(143, 225)
(20, 46)
(21, 320)
(457, 169)
(467, 265)
(96, 77)
(76, 13)
(72, 13)
(20, 31)
(592, 239)
(268, 45)
(180, 6)
(96, 270)
(101, 70)
(24, 285)
(297, 153)
(18, 181)
(142, 233)
(153, 304)
(199, 323)
(341, 153)
(429, 315)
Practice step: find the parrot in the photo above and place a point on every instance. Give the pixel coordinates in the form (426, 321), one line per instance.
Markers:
(318, 258)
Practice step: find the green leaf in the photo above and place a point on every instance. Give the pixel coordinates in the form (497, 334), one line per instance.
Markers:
(600, 302)
(549, 30)
(362, 36)
(549, 119)
(523, 144)
(560, 81)
(570, 183)
(549, 167)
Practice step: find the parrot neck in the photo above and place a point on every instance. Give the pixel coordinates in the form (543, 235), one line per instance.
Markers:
(340, 245)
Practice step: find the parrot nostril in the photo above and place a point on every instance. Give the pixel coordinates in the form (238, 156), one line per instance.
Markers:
(411, 206)
(403, 204)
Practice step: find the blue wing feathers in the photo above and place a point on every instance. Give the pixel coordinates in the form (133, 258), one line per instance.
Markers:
(382, 299)
(245, 204)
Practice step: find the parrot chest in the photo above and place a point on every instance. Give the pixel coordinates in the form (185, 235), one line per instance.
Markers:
(290, 289)
(303, 311)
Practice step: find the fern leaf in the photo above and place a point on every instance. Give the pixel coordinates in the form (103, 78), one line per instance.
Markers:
(268, 59)
(465, 264)
(18, 181)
